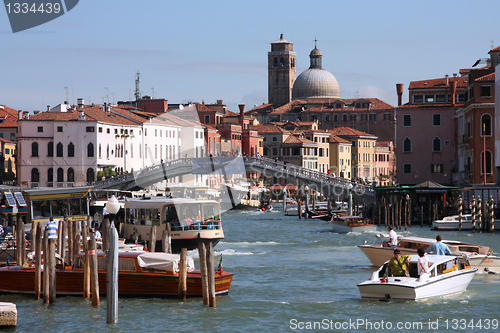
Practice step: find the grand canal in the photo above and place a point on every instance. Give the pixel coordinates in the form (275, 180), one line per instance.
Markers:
(289, 274)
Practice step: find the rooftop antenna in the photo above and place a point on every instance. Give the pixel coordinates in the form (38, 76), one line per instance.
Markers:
(137, 82)
(107, 94)
(153, 95)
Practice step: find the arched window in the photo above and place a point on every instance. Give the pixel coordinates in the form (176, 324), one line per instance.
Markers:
(282, 62)
(60, 175)
(90, 150)
(275, 62)
(488, 162)
(486, 125)
(71, 175)
(100, 151)
(107, 152)
(436, 144)
(34, 149)
(407, 145)
(35, 175)
(50, 149)
(50, 175)
(59, 150)
(90, 175)
(71, 150)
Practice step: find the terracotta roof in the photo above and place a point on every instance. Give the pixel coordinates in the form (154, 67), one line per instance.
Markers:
(428, 106)
(294, 139)
(288, 107)
(348, 104)
(338, 139)
(347, 131)
(383, 143)
(268, 128)
(92, 113)
(6, 141)
(496, 49)
(489, 77)
(438, 83)
(203, 108)
(464, 71)
(263, 108)
(11, 117)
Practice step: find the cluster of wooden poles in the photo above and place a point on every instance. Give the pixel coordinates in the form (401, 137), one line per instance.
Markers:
(476, 210)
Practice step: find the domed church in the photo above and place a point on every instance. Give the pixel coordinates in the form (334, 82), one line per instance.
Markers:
(315, 82)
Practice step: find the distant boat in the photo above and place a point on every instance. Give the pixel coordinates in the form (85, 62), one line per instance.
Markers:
(140, 274)
(453, 222)
(344, 224)
(447, 275)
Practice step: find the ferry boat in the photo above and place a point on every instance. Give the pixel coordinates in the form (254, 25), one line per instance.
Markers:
(480, 257)
(186, 221)
(344, 224)
(140, 274)
(447, 275)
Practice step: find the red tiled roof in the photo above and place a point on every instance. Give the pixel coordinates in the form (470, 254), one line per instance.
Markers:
(294, 139)
(267, 128)
(11, 117)
(347, 131)
(496, 49)
(288, 107)
(203, 108)
(6, 141)
(428, 106)
(489, 77)
(338, 139)
(383, 143)
(438, 83)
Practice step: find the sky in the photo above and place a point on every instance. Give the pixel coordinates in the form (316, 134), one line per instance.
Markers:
(209, 50)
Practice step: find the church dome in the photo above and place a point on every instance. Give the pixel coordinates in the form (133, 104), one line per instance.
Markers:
(315, 82)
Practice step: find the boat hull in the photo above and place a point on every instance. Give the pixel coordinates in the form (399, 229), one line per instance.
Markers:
(408, 288)
(379, 255)
(130, 284)
(341, 228)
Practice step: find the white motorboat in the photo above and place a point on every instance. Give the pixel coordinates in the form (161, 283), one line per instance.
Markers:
(480, 257)
(453, 223)
(344, 224)
(447, 275)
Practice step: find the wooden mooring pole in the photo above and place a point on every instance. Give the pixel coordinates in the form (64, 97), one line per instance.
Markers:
(94, 275)
(211, 274)
(183, 275)
(46, 279)
(38, 260)
(202, 252)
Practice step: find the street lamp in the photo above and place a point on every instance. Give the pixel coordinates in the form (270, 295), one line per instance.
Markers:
(113, 206)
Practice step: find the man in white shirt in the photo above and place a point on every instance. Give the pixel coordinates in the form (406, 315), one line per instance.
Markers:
(393, 238)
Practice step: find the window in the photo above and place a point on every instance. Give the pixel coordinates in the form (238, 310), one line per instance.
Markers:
(40, 129)
(275, 62)
(429, 98)
(407, 145)
(485, 91)
(90, 150)
(34, 149)
(488, 162)
(275, 138)
(71, 175)
(373, 117)
(327, 117)
(486, 125)
(207, 119)
(344, 117)
(108, 131)
(71, 150)
(60, 175)
(275, 151)
(407, 120)
(436, 168)
(436, 144)
(90, 129)
(59, 129)
(90, 175)
(35, 175)
(100, 129)
(50, 149)
(59, 150)
(418, 99)
(440, 98)
(406, 168)
(436, 120)
(50, 175)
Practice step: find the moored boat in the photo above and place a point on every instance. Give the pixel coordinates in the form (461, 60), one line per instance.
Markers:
(453, 223)
(480, 257)
(447, 275)
(344, 224)
(140, 274)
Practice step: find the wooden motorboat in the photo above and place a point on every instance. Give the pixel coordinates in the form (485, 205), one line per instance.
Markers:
(447, 275)
(344, 224)
(480, 256)
(141, 274)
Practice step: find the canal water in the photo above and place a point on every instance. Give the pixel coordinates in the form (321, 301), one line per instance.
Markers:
(289, 275)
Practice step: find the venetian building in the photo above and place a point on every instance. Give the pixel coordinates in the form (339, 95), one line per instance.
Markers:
(315, 82)
(281, 71)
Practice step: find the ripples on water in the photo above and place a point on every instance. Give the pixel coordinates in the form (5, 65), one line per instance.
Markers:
(284, 269)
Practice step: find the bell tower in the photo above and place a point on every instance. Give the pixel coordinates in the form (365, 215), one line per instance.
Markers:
(281, 69)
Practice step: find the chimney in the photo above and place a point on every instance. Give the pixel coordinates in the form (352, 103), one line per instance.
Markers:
(48, 108)
(399, 90)
(26, 114)
(453, 91)
(80, 103)
(105, 107)
(242, 116)
(454, 74)
(219, 102)
(447, 79)
(36, 112)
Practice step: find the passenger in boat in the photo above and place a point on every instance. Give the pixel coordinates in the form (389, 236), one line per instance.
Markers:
(393, 238)
(399, 264)
(422, 263)
(439, 247)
